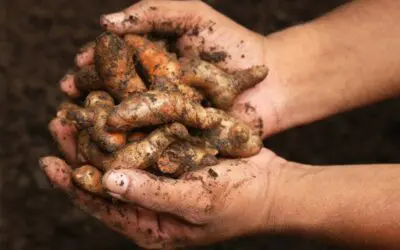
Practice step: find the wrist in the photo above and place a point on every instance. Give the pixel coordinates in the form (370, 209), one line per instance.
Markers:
(293, 57)
(282, 194)
(285, 186)
(288, 211)
(280, 101)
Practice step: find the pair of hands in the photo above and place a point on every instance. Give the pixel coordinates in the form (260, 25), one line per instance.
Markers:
(233, 198)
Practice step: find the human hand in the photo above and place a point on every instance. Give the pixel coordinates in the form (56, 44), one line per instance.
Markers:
(231, 199)
(303, 84)
(204, 32)
(260, 194)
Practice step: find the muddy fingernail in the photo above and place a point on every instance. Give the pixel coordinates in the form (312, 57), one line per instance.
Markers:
(116, 182)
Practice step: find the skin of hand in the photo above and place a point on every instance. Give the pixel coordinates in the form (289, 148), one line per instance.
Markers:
(202, 207)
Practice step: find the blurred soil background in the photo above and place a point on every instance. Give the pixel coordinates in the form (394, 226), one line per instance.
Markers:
(38, 40)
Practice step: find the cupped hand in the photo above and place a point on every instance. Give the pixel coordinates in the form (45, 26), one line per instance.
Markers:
(204, 32)
(233, 198)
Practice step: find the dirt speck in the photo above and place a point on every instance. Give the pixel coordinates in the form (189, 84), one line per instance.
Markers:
(133, 19)
(213, 57)
(248, 108)
(118, 225)
(195, 31)
(212, 173)
(64, 122)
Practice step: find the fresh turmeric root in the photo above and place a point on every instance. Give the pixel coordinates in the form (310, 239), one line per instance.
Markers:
(117, 136)
(98, 105)
(87, 79)
(115, 65)
(136, 137)
(162, 70)
(156, 62)
(218, 86)
(64, 108)
(186, 91)
(158, 107)
(167, 73)
(233, 138)
(88, 152)
(89, 178)
(144, 153)
(181, 157)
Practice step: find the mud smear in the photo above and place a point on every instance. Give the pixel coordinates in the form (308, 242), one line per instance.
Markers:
(214, 56)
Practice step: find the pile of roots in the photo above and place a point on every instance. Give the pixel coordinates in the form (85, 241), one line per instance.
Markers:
(142, 107)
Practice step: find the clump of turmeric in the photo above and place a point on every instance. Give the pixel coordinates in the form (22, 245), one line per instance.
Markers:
(159, 107)
(162, 70)
(144, 153)
(113, 71)
(143, 105)
(88, 152)
(219, 86)
(181, 157)
(233, 138)
(93, 117)
(115, 65)
(89, 178)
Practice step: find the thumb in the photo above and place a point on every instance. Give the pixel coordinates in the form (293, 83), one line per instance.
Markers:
(183, 198)
(260, 108)
(156, 16)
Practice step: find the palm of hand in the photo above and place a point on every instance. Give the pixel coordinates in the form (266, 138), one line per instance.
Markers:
(202, 207)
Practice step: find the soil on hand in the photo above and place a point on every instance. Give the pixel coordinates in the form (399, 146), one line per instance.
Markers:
(38, 41)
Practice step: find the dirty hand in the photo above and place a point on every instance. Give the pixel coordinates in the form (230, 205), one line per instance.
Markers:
(203, 32)
(231, 199)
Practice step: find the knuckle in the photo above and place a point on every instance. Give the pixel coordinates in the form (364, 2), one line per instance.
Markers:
(195, 218)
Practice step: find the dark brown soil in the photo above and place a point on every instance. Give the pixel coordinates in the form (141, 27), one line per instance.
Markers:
(38, 40)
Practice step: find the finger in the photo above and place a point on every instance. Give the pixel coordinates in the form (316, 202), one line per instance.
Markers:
(65, 133)
(258, 107)
(85, 55)
(156, 16)
(249, 114)
(84, 58)
(68, 86)
(122, 218)
(183, 198)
